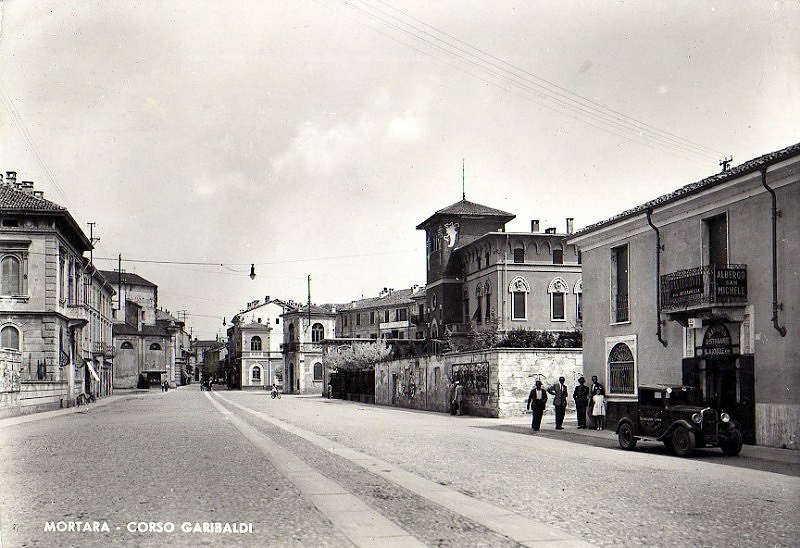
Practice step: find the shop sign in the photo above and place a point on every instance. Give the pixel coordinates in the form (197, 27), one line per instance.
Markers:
(717, 342)
(731, 284)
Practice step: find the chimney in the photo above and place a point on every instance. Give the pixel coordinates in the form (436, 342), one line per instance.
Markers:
(535, 225)
(27, 187)
(570, 224)
(266, 299)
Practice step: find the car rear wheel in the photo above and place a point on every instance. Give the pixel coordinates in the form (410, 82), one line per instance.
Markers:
(732, 446)
(683, 442)
(625, 435)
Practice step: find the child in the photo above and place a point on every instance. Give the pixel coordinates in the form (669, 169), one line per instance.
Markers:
(599, 408)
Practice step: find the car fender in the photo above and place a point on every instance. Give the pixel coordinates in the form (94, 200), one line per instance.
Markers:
(628, 420)
(680, 422)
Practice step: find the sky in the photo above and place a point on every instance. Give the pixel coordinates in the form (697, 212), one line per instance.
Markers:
(310, 137)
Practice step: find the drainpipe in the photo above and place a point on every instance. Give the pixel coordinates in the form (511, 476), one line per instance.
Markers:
(775, 214)
(658, 276)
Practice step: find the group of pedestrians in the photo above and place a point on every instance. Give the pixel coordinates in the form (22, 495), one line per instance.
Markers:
(588, 400)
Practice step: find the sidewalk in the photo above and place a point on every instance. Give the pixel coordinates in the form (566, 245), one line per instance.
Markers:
(788, 458)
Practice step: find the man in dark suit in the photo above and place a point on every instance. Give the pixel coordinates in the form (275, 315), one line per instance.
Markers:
(560, 395)
(536, 403)
(581, 397)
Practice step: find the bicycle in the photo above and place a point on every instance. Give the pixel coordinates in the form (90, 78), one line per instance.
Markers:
(275, 393)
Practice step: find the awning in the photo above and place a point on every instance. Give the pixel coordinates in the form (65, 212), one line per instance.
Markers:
(92, 371)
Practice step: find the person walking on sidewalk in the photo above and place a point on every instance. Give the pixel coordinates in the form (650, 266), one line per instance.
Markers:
(560, 394)
(581, 397)
(537, 400)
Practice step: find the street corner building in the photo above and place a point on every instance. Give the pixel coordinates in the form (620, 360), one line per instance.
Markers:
(55, 306)
(701, 287)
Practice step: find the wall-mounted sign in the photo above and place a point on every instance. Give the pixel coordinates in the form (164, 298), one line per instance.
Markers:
(730, 283)
(717, 342)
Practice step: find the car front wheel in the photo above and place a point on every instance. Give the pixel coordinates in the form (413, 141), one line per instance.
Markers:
(733, 445)
(683, 442)
(625, 435)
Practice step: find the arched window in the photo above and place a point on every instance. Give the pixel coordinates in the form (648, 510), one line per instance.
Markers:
(11, 281)
(478, 304)
(317, 371)
(487, 291)
(291, 332)
(155, 346)
(579, 300)
(255, 374)
(558, 290)
(621, 373)
(9, 338)
(317, 332)
(519, 290)
(255, 343)
(126, 345)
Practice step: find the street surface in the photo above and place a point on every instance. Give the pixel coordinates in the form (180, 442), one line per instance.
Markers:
(229, 468)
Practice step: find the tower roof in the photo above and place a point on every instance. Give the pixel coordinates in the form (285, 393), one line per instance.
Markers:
(465, 208)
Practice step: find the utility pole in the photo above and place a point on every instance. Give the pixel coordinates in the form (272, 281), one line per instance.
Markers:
(463, 186)
(725, 163)
(309, 300)
(119, 284)
(92, 240)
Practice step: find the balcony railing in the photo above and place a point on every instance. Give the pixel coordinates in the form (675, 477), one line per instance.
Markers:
(292, 346)
(102, 349)
(621, 310)
(704, 285)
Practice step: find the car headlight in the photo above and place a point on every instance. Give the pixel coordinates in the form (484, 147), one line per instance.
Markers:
(724, 417)
(697, 418)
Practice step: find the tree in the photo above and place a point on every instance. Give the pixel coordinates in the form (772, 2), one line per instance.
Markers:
(357, 357)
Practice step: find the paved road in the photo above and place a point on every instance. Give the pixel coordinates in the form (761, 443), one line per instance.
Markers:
(305, 471)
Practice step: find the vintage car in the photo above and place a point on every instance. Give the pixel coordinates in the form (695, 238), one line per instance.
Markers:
(675, 415)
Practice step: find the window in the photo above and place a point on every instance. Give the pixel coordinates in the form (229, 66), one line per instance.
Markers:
(255, 344)
(358, 318)
(401, 314)
(558, 256)
(621, 374)
(386, 316)
(372, 317)
(155, 346)
(478, 317)
(292, 334)
(557, 289)
(619, 285)
(580, 256)
(519, 290)
(9, 338)
(256, 374)
(317, 333)
(126, 346)
(12, 276)
(519, 255)
(579, 300)
(479, 262)
(487, 290)
(318, 372)
(465, 313)
(716, 237)
(487, 258)
(344, 320)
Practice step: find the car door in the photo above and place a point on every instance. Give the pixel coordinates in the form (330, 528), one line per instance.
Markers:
(651, 413)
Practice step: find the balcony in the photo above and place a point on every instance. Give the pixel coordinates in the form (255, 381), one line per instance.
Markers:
(292, 346)
(703, 288)
(102, 349)
(458, 329)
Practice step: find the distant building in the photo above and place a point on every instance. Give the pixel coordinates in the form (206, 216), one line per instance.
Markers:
(208, 358)
(303, 333)
(55, 307)
(391, 315)
(255, 339)
(702, 287)
(151, 345)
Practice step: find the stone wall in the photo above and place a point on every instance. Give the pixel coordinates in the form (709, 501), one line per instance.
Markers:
(497, 381)
(33, 397)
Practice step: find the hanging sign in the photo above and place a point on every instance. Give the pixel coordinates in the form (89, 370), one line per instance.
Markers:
(717, 342)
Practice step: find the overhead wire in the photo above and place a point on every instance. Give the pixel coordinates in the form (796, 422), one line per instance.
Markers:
(583, 108)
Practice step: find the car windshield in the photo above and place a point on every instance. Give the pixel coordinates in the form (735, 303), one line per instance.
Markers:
(685, 396)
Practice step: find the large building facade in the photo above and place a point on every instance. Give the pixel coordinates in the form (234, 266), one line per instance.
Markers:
(394, 314)
(304, 330)
(481, 278)
(702, 287)
(54, 306)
